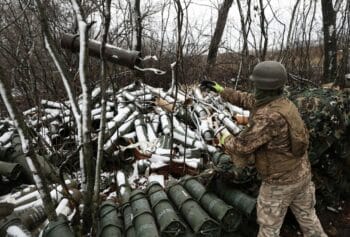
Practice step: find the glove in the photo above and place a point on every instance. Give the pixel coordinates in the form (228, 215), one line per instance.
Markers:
(223, 137)
(212, 85)
(222, 133)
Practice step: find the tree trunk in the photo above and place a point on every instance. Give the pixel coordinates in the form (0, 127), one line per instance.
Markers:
(285, 57)
(264, 35)
(136, 40)
(329, 41)
(137, 26)
(27, 147)
(245, 28)
(219, 29)
(85, 153)
(106, 18)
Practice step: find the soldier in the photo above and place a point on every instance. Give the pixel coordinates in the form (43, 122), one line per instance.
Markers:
(278, 139)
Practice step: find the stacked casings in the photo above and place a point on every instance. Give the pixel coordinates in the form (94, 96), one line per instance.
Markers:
(143, 220)
(206, 132)
(25, 220)
(10, 170)
(241, 201)
(10, 223)
(167, 219)
(127, 211)
(58, 228)
(200, 222)
(110, 222)
(32, 217)
(228, 217)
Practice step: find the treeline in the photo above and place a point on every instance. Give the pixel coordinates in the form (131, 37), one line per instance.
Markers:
(163, 28)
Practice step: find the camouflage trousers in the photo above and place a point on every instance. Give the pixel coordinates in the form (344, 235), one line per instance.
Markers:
(273, 203)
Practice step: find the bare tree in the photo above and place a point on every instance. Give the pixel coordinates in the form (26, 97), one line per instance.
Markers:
(164, 24)
(219, 29)
(106, 19)
(27, 148)
(136, 20)
(82, 116)
(264, 38)
(343, 43)
(245, 29)
(283, 31)
(329, 41)
(289, 34)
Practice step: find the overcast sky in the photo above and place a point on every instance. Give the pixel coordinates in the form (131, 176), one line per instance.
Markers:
(202, 16)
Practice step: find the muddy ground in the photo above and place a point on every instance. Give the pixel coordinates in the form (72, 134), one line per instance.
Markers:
(335, 224)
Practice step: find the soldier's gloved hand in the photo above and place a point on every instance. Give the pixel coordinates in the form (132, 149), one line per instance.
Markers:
(212, 85)
(222, 135)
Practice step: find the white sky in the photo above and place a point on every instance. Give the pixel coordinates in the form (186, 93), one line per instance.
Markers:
(202, 15)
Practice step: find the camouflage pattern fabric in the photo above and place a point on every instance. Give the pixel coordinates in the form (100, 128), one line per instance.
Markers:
(326, 113)
(274, 200)
(267, 138)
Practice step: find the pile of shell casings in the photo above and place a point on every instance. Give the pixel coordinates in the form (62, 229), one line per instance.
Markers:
(22, 212)
(142, 123)
(182, 208)
(147, 129)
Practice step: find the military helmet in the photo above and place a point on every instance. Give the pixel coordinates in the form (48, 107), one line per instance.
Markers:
(269, 75)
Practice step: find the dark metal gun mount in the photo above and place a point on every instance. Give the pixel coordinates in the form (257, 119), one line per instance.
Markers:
(113, 54)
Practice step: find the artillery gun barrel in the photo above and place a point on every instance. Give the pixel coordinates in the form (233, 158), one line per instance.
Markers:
(113, 54)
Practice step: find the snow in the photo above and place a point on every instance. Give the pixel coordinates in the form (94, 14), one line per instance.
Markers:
(135, 174)
(30, 197)
(155, 158)
(131, 135)
(63, 208)
(141, 134)
(164, 119)
(13, 116)
(121, 179)
(26, 190)
(123, 113)
(30, 111)
(96, 92)
(15, 231)
(36, 178)
(157, 178)
(53, 104)
(330, 30)
(154, 70)
(150, 57)
(158, 165)
(6, 137)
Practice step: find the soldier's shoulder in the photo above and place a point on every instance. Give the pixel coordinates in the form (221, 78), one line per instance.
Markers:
(268, 114)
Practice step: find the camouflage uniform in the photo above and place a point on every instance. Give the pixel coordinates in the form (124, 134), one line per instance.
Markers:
(281, 159)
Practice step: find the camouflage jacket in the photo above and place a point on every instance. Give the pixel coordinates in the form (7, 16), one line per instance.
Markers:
(267, 138)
